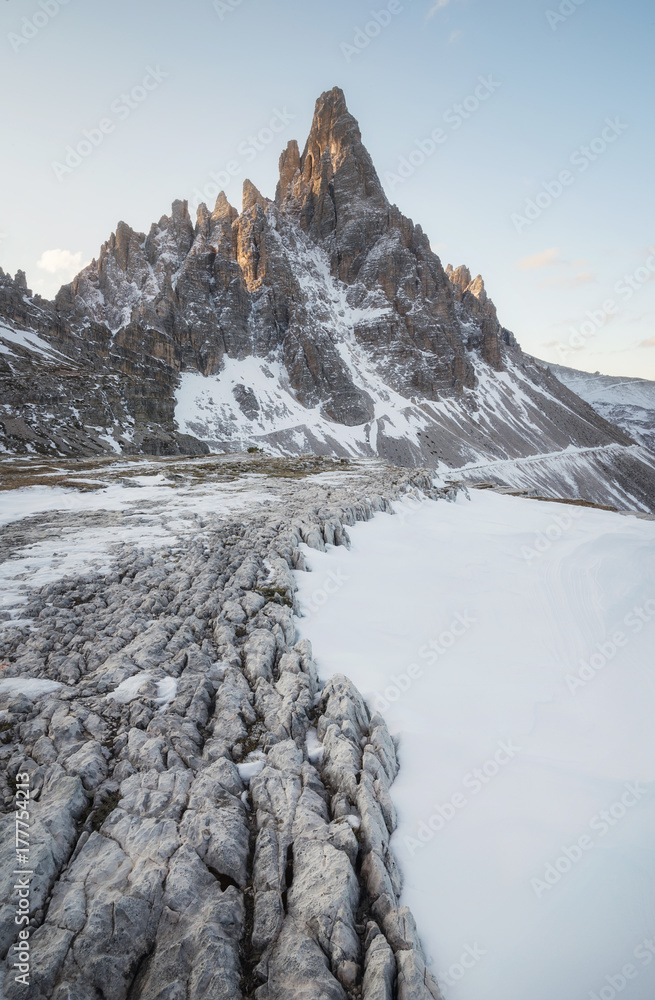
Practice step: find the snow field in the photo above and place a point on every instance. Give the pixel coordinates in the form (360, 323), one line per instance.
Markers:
(508, 643)
(159, 514)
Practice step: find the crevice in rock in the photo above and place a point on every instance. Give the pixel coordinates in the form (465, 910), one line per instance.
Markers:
(250, 979)
(288, 876)
(99, 812)
(139, 973)
(225, 881)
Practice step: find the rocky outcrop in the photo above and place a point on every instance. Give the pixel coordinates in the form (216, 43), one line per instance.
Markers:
(487, 335)
(63, 395)
(188, 838)
(335, 195)
(22, 309)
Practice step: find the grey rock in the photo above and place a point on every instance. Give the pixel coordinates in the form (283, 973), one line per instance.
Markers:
(380, 968)
(259, 654)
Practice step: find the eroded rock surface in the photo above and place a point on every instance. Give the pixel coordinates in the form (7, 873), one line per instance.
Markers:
(185, 841)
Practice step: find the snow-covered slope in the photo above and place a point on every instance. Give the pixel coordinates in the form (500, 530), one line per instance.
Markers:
(508, 645)
(613, 475)
(627, 402)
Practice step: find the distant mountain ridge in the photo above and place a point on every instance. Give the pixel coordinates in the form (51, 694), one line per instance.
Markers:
(628, 403)
(319, 321)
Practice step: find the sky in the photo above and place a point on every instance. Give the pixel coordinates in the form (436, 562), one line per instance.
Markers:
(518, 133)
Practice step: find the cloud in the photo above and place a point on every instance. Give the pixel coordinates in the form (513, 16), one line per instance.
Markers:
(454, 36)
(576, 281)
(647, 343)
(565, 321)
(553, 258)
(436, 7)
(547, 258)
(60, 262)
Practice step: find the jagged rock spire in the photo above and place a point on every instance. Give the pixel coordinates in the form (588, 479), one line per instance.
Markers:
(252, 196)
(334, 181)
(223, 209)
(472, 293)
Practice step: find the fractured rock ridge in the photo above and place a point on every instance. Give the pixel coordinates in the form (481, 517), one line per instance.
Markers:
(188, 839)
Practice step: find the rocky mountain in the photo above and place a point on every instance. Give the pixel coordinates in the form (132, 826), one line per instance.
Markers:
(628, 403)
(320, 321)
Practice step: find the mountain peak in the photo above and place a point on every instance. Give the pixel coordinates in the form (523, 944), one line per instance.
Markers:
(325, 323)
(334, 152)
(333, 189)
(252, 196)
(223, 209)
(461, 278)
(331, 117)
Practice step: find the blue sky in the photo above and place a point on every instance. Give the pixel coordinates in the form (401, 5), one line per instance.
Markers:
(564, 120)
